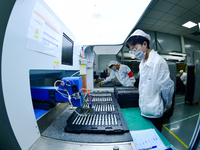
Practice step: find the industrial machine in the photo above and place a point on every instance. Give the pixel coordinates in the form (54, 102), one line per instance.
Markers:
(103, 116)
(69, 90)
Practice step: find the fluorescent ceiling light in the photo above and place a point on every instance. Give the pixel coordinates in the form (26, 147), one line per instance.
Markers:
(95, 22)
(179, 54)
(126, 55)
(177, 58)
(160, 41)
(133, 57)
(189, 24)
(188, 46)
(102, 50)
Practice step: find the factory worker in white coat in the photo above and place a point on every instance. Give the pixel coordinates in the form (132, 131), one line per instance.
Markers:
(121, 72)
(155, 86)
(183, 77)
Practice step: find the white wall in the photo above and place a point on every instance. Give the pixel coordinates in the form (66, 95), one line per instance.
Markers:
(17, 60)
(168, 42)
(190, 47)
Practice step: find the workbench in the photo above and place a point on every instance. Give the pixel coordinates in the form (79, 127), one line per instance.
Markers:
(55, 135)
(135, 121)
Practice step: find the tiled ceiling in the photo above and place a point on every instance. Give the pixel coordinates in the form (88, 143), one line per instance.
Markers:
(167, 16)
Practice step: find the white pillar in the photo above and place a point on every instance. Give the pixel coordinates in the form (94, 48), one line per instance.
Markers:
(182, 44)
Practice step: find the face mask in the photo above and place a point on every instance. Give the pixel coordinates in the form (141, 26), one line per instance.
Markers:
(140, 54)
(114, 69)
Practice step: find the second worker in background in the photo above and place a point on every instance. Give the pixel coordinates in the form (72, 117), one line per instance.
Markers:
(121, 72)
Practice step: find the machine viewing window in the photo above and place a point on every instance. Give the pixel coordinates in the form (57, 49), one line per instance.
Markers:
(67, 50)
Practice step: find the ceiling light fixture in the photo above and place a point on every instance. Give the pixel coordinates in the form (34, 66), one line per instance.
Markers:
(179, 54)
(133, 57)
(189, 24)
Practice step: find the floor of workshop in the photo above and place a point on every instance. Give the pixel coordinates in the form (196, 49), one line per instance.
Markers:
(180, 127)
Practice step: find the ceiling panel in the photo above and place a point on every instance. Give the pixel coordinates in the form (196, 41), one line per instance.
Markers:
(196, 20)
(161, 23)
(155, 28)
(180, 21)
(155, 14)
(190, 15)
(188, 5)
(177, 10)
(181, 29)
(149, 21)
(196, 9)
(168, 16)
(163, 6)
(153, 2)
(173, 1)
(144, 26)
(172, 26)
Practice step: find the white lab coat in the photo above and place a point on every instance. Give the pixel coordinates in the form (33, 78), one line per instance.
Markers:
(122, 76)
(155, 86)
(184, 78)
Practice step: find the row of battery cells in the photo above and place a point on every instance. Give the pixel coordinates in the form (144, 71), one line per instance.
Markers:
(103, 107)
(96, 120)
(102, 99)
(120, 92)
(101, 94)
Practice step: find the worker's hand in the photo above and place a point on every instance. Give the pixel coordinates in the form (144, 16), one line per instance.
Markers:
(100, 83)
(132, 84)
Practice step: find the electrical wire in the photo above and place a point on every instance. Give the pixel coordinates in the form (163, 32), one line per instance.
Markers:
(75, 73)
(68, 96)
(57, 89)
(72, 81)
(84, 98)
(88, 93)
(70, 84)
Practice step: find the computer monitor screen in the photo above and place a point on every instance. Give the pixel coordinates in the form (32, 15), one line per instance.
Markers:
(67, 50)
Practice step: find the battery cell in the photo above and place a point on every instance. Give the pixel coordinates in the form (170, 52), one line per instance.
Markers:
(101, 94)
(106, 118)
(102, 99)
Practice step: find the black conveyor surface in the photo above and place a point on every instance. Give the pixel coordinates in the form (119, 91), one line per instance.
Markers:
(56, 131)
